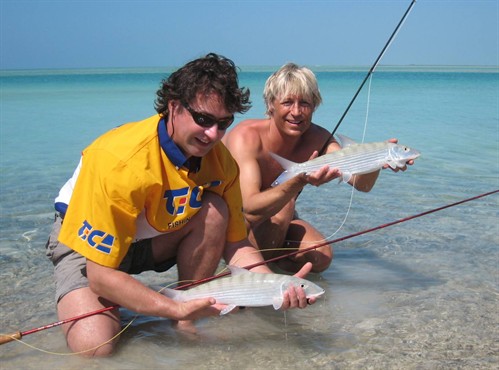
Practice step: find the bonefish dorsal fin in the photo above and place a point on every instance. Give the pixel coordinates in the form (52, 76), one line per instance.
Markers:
(234, 270)
(285, 163)
(345, 141)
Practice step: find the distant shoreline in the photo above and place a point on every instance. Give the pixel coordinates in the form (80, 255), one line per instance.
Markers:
(249, 69)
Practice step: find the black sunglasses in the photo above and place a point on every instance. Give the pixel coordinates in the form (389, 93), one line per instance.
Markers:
(206, 121)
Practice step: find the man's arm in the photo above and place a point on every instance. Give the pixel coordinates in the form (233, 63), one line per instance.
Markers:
(124, 290)
(260, 205)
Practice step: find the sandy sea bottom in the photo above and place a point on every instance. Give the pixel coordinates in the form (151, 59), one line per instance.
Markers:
(415, 295)
(422, 294)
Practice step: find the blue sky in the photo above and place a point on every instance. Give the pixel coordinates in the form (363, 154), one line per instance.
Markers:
(145, 33)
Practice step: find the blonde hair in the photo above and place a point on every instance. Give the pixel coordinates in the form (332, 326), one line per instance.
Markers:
(291, 79)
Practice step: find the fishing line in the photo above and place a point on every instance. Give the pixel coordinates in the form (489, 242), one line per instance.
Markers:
(367, 109)
(5, 338)
(364, 132)
(80, 352)
(367, 77)
(371, 70)
(368, 105)
(375, 228)
(27, 234)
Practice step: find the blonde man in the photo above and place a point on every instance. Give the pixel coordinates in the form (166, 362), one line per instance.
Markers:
(291, 96)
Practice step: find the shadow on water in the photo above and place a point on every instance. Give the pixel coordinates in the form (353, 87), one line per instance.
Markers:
(262, 336)
(365, 269)
(358, 286)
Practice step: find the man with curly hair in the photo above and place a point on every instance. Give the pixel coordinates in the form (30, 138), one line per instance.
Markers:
(149, 195)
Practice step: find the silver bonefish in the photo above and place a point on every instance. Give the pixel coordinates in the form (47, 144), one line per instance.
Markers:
(351, 159)
(245, 288)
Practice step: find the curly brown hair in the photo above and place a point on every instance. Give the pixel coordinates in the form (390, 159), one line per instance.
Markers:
(210, 74)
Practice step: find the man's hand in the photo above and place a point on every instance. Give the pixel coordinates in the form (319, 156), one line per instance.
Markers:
(198, 308)
(322, 175)
(295, 297)
(411, 162)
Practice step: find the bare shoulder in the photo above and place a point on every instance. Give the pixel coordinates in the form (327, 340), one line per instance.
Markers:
(245, 135)
(317, 137)
(317, 132)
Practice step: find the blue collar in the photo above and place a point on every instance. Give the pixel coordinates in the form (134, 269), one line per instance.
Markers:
(173, 152)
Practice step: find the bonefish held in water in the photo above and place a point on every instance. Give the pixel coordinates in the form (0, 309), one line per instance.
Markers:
(245, 288)
(351, 159)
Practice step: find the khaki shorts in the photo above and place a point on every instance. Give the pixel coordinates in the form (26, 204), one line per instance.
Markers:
(70, 267)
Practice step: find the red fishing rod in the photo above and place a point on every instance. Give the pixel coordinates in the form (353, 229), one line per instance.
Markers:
(376, 228)
(5, 338)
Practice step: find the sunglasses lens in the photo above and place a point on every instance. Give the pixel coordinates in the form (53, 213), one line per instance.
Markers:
(207, 122)
(202, 120)
(222, 125)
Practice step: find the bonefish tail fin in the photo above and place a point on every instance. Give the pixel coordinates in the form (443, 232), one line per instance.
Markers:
(285, 163)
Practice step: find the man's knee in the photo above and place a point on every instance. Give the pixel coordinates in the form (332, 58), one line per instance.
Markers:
(92, 337)
(322, 263)
(95, 335)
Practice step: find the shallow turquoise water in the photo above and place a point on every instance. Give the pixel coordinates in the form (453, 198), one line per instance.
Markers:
(422, 293)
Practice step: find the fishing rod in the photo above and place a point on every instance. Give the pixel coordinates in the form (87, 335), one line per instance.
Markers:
(5, 338)
(371, 70)
(375, 228)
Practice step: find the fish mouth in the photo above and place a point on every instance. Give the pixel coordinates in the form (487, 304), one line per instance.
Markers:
(315, 295)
